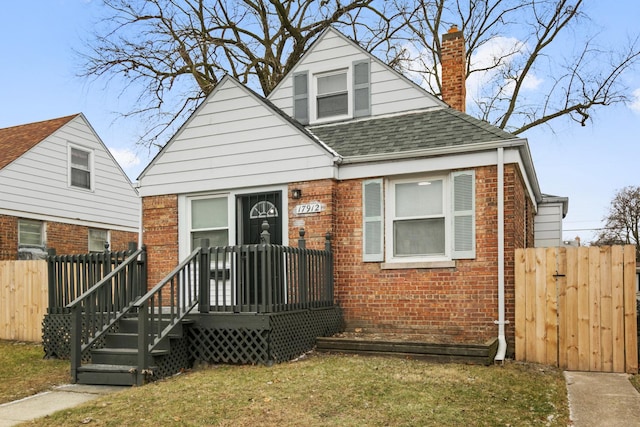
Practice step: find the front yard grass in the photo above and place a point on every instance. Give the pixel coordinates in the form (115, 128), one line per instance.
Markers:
(24, 372)
(340, 390)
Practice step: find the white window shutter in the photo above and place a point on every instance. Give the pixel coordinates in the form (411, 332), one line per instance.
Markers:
(464, 222)
(361, 89)
(301, 97)
(372, 221)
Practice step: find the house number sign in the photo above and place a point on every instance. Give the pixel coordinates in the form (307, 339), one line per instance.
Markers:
(309, 208)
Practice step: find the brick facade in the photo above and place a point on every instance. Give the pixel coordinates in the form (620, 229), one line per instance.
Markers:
(64, 238)
(457, 304)
(160, 235)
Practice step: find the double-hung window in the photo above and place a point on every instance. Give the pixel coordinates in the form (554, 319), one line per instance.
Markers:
(341, 93)
(427, 218)
(332, 94)
(80, 168)
(209, 219)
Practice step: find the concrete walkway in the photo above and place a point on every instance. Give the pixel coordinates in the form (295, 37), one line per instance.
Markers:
(602, 399)
(42, 404)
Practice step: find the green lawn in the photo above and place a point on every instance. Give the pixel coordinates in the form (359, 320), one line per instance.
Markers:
(338, 390)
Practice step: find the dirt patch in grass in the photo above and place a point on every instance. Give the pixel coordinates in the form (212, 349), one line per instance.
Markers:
(24, 372)
(323, 390)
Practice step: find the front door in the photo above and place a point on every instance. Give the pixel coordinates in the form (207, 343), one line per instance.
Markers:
(254, 210)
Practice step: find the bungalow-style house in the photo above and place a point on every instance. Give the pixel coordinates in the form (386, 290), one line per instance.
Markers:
(60, 188)
(348, 198)
(425, 204)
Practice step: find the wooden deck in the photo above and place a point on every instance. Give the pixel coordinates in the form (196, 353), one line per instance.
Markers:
(393, 345)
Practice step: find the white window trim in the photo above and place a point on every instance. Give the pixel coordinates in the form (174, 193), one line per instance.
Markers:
(313, 96)
(390, 217)
(91, 167)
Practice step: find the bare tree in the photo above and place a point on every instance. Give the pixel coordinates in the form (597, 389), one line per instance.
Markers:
(622, 223)
(173, 52)
(518, 45)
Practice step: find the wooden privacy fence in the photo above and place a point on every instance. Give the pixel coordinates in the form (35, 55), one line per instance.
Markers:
(576, 308)
(23, 299)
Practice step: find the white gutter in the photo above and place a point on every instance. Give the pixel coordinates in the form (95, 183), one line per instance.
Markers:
(502, 341)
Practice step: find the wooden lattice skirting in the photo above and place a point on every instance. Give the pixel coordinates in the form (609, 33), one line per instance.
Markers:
(251, 338)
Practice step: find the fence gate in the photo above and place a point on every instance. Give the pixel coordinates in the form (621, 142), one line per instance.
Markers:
(576, 308)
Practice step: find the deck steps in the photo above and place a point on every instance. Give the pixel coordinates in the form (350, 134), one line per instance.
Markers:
(116, 362)
(482, 354)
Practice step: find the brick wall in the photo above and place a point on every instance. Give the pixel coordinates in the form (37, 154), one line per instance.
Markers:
(64, 238)
(316, 225)
(453, 58)
(160, 235)
(443, 304)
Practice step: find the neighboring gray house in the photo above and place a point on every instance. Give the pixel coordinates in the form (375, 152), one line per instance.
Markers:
(61, 188)
(548, 221)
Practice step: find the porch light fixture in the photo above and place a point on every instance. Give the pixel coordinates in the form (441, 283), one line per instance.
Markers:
(296, 193)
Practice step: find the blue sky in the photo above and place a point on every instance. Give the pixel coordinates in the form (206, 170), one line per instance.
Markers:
(38, 82)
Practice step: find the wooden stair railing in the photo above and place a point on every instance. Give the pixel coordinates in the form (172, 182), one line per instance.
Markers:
(95, 311)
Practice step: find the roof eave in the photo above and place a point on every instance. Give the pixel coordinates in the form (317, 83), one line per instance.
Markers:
(520, 143)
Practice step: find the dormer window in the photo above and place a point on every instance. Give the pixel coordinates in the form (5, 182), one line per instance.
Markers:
(338, 94)
(332, 95)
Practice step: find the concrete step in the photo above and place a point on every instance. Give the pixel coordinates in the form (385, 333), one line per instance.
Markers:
(106, 374)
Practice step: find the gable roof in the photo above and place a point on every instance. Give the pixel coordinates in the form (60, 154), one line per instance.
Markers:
(17, 140)
(420, 130)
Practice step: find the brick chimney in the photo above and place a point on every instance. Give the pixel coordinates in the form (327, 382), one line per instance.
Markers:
(453, 57)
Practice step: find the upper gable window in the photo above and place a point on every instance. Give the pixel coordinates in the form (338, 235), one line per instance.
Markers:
(80, 168)
(332, 95)
(338, 94)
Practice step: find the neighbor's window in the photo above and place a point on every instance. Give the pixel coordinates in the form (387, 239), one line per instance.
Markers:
(209, 220)
(30, 233)
(80, 168)
(97, 240)
(332, 95)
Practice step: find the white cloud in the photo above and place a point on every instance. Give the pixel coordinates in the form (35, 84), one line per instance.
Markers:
(635, 101)
(128, 160)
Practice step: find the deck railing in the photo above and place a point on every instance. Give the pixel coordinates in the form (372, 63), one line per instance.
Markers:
(267, 278)
(69, 276)
(95, 311)
(162, 308)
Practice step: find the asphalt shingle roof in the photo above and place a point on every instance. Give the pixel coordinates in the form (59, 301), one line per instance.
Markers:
(427, 129)
(17, 140)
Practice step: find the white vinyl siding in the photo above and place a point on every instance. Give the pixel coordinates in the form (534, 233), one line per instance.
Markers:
(234, 140)
(37, 183)
(389, 92)
(373, 220)
(548, 225)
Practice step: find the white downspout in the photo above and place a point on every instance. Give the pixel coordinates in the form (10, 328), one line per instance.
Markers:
(502, 341)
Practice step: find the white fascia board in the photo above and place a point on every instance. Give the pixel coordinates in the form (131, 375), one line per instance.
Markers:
(63, 220)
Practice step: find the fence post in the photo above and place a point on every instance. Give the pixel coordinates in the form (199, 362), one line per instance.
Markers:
(75, 355)
(51, 279)
(143, 342)
(204, 279)
(329, 272)
(302, 269)
(265, 236)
